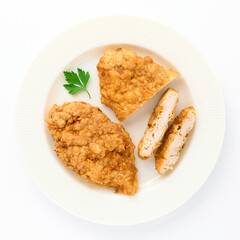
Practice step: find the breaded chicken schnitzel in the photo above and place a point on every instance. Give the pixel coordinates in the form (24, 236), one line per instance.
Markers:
(158, 123)
(168, 153)
(94, 147)
(127, 81)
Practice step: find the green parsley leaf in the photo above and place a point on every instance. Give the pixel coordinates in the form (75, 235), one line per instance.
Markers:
(77, 82)
(83, 76)
(73, 88)
(72, 78)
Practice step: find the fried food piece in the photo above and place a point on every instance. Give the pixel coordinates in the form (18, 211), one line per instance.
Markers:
(158, 123)
(127, 81)
(168, 153)
(94, 147)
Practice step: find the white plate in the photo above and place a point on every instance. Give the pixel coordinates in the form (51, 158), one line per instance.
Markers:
(82, 46)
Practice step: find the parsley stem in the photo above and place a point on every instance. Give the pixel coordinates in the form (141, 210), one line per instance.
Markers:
(88, 93)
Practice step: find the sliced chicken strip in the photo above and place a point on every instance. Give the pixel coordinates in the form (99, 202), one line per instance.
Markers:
(168, 153)
(158, 123)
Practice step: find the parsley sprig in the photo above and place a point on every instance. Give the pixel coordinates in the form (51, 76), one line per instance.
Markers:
(76, 82)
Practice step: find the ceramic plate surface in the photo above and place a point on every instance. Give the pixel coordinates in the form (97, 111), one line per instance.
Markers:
(82, 46)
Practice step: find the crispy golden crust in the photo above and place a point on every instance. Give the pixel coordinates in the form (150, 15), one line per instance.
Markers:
(162, 156)
(94, 147)
(127, 81)
(153, 127)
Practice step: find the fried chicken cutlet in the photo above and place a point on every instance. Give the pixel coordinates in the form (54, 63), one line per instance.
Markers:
(127, 81)
(94, 147)
(158, 123)
(168, 153)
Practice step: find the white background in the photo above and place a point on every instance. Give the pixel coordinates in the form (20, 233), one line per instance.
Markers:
(213, 26)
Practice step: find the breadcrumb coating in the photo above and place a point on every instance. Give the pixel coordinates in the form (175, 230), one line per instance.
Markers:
(127, 81)
(94, 147)
(168, 153)
(158, 123)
